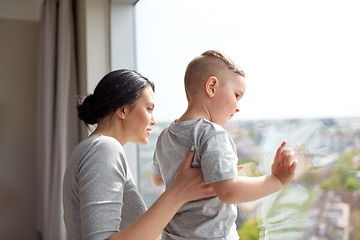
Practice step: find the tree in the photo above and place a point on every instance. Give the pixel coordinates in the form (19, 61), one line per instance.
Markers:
(249, 230)
(343, 174)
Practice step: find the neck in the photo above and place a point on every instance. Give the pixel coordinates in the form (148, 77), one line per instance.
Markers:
(195, 111)
(109, 127)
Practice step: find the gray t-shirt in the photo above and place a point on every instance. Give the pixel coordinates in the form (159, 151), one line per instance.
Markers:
(215, 153)
(99, 194)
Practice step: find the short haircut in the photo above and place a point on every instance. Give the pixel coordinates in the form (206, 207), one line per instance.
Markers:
(209, 63)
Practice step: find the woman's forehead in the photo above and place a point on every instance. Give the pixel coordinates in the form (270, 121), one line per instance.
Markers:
(147, 95)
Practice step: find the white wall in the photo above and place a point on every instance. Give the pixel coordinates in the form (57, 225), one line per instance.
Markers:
(94, 39)
(20, 9)
(19, 27)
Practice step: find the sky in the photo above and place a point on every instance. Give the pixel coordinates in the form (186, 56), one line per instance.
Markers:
(301, 58)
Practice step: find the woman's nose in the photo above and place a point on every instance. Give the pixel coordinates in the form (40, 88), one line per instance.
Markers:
(153, 122)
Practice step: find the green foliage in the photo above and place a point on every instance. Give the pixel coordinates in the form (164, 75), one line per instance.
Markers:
(334, 182)
(250, 170)
(249, 230)
(343, 174)
(351, 183)
(252, 134)
(242, 161)
(145, 174)
(346, 163)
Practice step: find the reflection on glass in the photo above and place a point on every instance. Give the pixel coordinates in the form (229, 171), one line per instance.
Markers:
(322, 202)
(284, 214)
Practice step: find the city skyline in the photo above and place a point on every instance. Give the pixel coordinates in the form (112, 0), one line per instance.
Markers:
(329, 150)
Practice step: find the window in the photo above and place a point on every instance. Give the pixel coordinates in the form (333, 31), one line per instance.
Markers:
(301, 60)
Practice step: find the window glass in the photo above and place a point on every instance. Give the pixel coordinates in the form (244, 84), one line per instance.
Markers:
(301, 60)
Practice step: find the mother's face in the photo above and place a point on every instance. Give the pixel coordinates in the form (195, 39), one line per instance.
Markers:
(139, 118)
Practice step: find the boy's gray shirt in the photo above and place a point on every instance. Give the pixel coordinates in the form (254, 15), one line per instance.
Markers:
(100, 197)
(215, 153)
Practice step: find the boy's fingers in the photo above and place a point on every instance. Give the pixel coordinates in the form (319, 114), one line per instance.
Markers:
(286, 154)
(280, 149)
(292, 167)
(286, 160)
(239, 167)
(188, 159)
(288, 157)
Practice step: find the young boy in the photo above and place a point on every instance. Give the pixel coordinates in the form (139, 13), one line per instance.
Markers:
(214, 84)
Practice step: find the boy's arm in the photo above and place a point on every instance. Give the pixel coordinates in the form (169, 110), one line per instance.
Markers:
(155, 171)
(158, 181)
(243, 189)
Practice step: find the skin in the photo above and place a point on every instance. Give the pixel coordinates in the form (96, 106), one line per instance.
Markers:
(133, 124)
(217, 102)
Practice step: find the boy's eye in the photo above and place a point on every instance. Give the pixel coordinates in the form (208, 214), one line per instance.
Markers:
(237, 95)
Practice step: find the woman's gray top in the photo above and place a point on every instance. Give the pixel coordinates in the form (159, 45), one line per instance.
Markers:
(99, 194)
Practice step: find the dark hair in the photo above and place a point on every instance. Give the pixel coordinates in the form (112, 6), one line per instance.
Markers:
(116, 89)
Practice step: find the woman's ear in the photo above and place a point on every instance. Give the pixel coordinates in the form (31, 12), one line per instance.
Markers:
(120, 112)
(211, 86)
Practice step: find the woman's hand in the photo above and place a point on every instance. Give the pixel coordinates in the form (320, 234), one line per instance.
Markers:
(188, 185)
(190, 181)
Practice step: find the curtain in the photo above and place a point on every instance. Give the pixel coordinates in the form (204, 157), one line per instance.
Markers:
(58, 128)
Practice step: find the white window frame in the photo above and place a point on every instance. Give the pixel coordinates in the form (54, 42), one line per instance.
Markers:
(122, 55)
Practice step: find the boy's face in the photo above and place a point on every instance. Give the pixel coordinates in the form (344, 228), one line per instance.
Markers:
(230, 90)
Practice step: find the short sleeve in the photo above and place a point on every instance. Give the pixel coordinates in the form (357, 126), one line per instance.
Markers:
(154, 167)
(101, 179)
(218, 157)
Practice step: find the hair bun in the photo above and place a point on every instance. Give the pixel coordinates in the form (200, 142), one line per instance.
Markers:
(86, 110)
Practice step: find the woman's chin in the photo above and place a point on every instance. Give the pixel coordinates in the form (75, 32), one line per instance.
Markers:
(143, 142)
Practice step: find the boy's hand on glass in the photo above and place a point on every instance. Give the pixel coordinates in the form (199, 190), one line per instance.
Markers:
(284, 165)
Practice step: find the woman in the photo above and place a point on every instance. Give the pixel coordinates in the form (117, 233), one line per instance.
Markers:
(100, 198)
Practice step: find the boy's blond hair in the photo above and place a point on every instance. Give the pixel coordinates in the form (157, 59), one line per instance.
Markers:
(208, 64)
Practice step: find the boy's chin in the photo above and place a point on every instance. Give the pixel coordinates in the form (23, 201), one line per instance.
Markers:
(223, 123)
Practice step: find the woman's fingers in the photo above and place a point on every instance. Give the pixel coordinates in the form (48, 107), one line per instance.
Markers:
(188, 159)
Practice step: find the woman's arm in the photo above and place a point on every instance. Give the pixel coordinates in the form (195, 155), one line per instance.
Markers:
(188, 185)
(244, 189)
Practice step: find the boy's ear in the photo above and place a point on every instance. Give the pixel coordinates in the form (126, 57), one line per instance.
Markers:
(211, 86)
